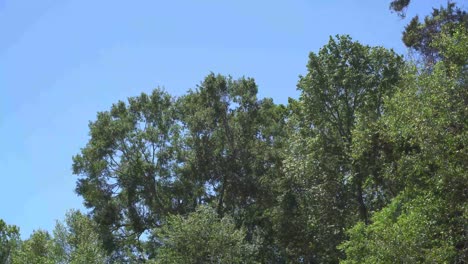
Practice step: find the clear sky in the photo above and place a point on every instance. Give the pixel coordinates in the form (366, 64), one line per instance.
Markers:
(62, 61)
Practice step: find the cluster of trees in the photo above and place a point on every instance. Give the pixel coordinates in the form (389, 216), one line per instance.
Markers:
(73, 241)
(368, 165)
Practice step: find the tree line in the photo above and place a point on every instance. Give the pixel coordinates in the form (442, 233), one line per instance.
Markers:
(368, 165)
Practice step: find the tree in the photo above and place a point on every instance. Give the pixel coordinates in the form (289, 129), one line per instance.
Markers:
(76, 240)
(399, 6)
(127, 170)
(424, 128)
(159, 155)
(346, 80)
(218, 175)
(202, 237)
(232, 142)
(38, 249)
(324, 187)
(406, 231)
(9, 241)
(421, 36)
(454, 49)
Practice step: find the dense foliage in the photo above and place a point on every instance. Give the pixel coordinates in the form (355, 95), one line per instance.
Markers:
(368, 165)
(202, 237)
(73, 241)
(9, 239)
(421, 36)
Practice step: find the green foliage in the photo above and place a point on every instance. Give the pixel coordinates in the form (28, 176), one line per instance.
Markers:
(38, 249)
(126, 170)
(454, 47)
(9, 240)
(409, 230)
(424, 131)
(202, 237)
(158, 155)
(399, 6)
(324, 190)
(421, 37)
(368, 165)
(231, 138)
(233, 142)
(426, 121)
(74, 242)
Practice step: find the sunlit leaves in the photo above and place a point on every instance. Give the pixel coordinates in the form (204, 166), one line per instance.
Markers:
(202, 237)
(9, 241)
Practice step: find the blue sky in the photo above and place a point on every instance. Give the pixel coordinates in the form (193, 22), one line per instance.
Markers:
(62, 61)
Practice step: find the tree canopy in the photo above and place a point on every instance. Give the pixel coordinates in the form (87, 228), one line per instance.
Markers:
(367, 165)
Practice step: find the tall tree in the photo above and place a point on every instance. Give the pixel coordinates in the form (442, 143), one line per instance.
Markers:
(325, 186)
(157, 156)
(126, 171)
(421, 36)
(233, 141)
(231, 135)
(424, 128)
